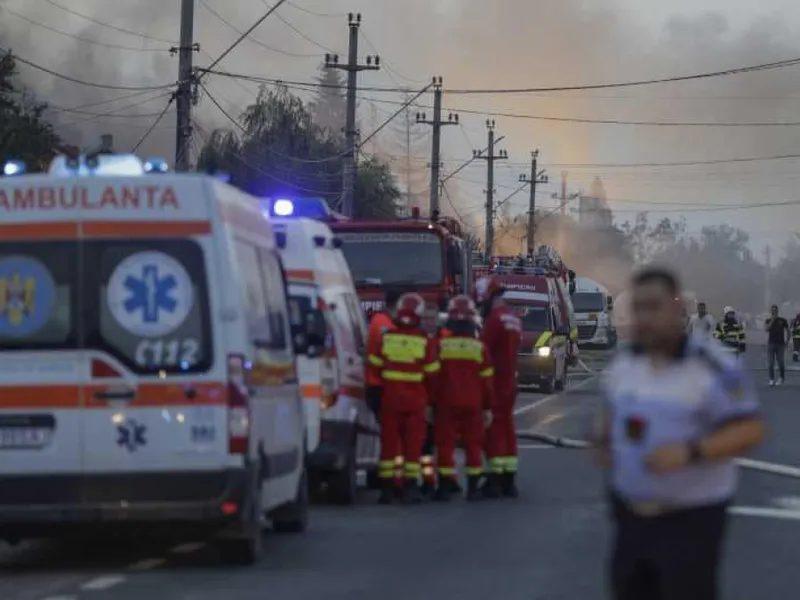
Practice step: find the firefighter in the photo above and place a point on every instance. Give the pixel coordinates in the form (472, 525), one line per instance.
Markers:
(406, 365)
(428, 459)
(380, 323)
(464, 399)
(730, 332)
(796, 338)
(502, 334)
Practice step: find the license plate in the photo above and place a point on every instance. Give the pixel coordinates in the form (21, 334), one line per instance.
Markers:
(23, 437)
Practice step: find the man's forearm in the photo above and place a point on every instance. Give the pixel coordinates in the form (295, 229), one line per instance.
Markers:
(732, 439)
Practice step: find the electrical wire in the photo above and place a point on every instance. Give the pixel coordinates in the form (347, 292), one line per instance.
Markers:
(310, 40)
(154, 125)
(504, 91)
(77, 37)
(108, 25)
(115, 112)
(311, 12)
(251, 39)
(56, 108)
(101, 86)
(242, 37)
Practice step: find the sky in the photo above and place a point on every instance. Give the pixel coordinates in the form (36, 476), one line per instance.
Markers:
(475, 44)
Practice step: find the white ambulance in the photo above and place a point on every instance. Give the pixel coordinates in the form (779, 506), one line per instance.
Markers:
(147, 362)
(346, 437)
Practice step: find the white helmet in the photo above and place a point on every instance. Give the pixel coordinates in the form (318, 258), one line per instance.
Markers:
(728, 309)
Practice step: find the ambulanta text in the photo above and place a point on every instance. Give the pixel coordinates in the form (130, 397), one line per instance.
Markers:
(152, 197)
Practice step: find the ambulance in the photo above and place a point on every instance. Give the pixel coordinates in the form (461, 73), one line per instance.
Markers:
(147, 358)
(343, 435)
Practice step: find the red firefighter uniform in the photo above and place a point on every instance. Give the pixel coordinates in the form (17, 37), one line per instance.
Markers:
(502, 334)
(465, 395)
(407, 365)
(380, 323)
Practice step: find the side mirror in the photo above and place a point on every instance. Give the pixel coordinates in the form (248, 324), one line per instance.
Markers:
(610, 303)
(563, 330)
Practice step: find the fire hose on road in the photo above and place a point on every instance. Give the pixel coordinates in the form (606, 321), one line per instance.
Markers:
(745, 463)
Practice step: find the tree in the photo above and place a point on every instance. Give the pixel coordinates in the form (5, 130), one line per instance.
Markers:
(282, 151)
(329, 107)
(785, 281)
(647, 242)
(24, 133)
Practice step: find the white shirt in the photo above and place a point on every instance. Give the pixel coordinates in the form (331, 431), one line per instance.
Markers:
(702, 325)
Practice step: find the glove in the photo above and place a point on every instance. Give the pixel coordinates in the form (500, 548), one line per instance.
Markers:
(487, 418)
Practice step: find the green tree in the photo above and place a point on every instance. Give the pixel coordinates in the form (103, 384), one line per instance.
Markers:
(281, 151)
(329, 106)
(785, 275)
(24, 133)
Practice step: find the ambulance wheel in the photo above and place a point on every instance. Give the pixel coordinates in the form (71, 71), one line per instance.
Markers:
(247, 547)
(549, 384)
(374, 481)
(343, 484)
(293, 517)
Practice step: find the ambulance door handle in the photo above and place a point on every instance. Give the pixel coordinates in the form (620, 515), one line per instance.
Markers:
(115, 395)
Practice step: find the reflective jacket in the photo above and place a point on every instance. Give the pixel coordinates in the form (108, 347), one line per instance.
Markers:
(502, 334)
(380, 323)
(466, 376)
(732, 336)
(796, 328)
(407, 364)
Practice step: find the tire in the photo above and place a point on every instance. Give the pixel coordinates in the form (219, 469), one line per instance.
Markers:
(247, 548)
(293, 517)
(373, 480)
(343, 484)
(549, 385)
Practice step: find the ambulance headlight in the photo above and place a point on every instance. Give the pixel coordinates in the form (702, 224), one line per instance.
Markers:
(155, 165)
(283, 208)
(543, 351)
(14, 167)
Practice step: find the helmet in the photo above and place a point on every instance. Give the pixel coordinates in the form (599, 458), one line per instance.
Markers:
(487, 288)
(410, 309)
(461, 308)
(728, 309)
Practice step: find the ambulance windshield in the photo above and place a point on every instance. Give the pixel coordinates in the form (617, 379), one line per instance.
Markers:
(588, 302)
(383, 258)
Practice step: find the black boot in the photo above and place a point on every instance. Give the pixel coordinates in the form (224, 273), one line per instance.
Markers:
(427, 489)
(509, 485)
(412, 493)
(795, 357)
(387, 492)
(442, 492)
(491, 487)
(474, 488)
(453, 486)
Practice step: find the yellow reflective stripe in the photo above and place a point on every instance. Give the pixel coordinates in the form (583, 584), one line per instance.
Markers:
(401, 376)
(375, 361)
(432, 367)
(401, 348)
(412, 470)
(472, 471)
(447, 471)
(386, 469)
(497, 463)
(487, 372)
(461, 349)
(510, 464)
(543, 339)
(573, 333)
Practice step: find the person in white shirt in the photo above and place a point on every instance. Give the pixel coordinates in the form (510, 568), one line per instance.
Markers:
(702, 322)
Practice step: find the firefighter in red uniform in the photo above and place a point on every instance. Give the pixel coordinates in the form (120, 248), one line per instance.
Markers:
(407, 366)
(464, 398)
(502, 334)
(380, 323)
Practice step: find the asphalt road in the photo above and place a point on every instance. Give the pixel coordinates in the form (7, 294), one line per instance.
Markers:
(549, 544)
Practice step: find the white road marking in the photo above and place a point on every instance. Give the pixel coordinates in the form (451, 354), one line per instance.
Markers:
(147, 564)
(535, 447)
(551, 397)
(764, 512)
(769, 467)
(103, 583)
(788, 502)
(61, 598)
(187, 548)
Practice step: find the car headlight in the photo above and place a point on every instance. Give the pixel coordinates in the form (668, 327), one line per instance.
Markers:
(543, 351)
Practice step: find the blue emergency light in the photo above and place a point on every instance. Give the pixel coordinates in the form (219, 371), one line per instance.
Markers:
(310, 208)
(14, 167)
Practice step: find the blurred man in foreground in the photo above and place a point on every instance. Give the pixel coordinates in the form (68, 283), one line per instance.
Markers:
(677, 410)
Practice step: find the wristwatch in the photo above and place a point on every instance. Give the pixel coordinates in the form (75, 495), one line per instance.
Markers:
(695, 453)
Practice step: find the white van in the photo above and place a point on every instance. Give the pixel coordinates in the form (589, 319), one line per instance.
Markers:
(147, 365)
(343, 432)
(594, 313)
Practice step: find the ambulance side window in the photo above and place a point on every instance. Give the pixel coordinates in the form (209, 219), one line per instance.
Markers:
(274, 286)
(253, 289)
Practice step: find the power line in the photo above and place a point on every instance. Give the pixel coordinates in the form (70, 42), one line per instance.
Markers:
(154, 125)
(253, 40)
(108, 25)
(116, 112)
(76, 37)
(505, 91)
(694, 163)
(313, 13)
(307, 38)
(241, 38)
(101, 86)
(56, 108)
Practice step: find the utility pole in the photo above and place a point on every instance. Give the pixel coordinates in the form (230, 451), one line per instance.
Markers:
(535, 177)
(186, 94)
(489, 156)
(436, 123)
(373, 63)
(767, 277)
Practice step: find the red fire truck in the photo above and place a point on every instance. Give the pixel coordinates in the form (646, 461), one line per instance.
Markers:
(424, 255)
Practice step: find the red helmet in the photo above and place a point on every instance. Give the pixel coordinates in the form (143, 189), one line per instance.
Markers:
(410, 309)
(487, 288)
(461, 308)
